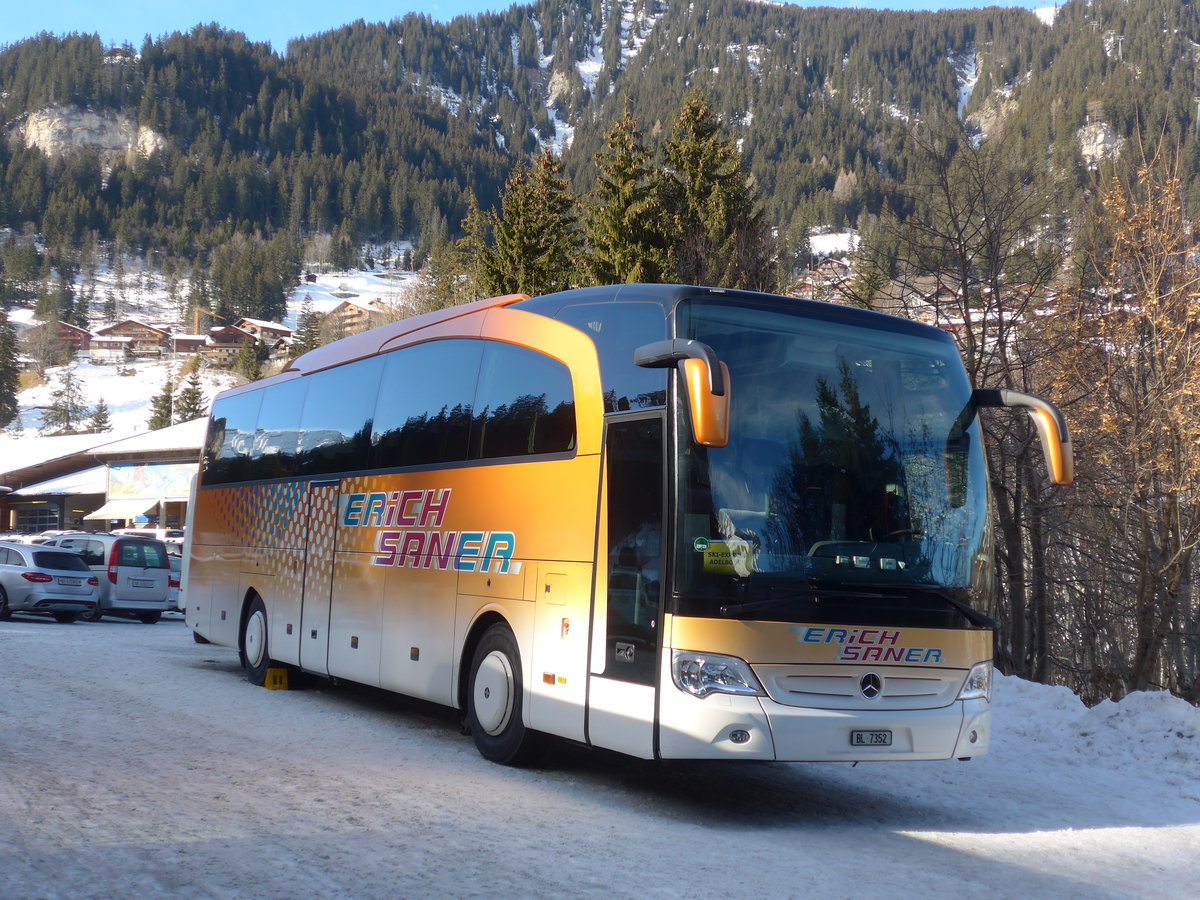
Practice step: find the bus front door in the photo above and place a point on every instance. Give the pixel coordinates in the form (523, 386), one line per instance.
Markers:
(318, 575)
(621, 697)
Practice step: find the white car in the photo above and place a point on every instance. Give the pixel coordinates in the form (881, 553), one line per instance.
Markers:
(49, 582)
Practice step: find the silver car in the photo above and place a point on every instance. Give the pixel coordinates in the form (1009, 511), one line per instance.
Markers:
(36, 579)
(134, 574)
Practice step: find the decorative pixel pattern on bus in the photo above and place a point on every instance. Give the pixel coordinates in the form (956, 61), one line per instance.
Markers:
(263, 515)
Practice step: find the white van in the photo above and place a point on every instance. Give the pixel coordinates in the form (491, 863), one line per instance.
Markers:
(135, 574)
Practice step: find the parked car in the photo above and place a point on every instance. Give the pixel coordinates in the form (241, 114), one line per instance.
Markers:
(34, 579)
(134, 574)
(166, 535)
(173, 592)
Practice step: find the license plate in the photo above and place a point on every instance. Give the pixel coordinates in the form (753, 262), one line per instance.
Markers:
(72, 582)
(141, 582)
(871, 738)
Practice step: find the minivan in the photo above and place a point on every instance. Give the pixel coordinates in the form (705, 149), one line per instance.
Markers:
(134, 573)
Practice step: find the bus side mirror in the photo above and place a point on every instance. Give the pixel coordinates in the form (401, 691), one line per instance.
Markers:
(706, 380)
(1051, 427)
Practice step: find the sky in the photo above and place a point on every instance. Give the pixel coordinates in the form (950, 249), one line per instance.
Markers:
(277, 21)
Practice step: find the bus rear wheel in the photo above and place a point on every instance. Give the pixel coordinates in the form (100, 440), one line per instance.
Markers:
(255, 658)
(494, 700)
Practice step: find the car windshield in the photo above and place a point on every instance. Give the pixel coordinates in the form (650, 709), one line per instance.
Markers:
(853, 485)
(52, 559)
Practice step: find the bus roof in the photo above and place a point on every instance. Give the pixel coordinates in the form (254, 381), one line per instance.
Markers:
(369, 342)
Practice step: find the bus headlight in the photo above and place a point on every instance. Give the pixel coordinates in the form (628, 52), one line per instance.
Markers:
(978, 684)
(701, 674)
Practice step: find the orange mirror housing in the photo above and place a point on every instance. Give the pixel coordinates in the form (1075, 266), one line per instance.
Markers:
(710, 411)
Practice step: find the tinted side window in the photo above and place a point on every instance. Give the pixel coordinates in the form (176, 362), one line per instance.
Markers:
(525, 404)
(423, 416)
(5, 559)
(143, 554)
(618, 329)
(277, 434)
(92, 551)
(230, 438)
(335, 427)
(49, 559)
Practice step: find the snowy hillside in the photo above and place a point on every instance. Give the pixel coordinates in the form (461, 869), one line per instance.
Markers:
(128, 388)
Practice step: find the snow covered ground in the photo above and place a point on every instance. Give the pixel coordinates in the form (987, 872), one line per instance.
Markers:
(136, 763)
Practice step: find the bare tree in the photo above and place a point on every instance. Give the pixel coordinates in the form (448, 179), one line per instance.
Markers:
(1135, 382)
(975, 255)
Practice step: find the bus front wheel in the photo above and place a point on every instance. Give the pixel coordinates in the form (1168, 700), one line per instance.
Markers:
(255, 658)
(494, 699)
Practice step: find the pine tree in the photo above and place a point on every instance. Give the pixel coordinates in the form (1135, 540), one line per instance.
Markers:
(473, 248)
(190, 404)
(9, 371)
(247, 362)
(100, 420)
(536, 241)
(163, 405)
(722, 238)
(626, 218)
(440, 283)
(68, 405)
(308, 330)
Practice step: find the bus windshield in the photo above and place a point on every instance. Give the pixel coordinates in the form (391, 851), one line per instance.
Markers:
(853, 489)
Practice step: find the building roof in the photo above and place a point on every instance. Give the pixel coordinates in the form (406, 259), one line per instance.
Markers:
(89, 481)
(262, 323)
(182, 441)
(37, 452)
(131, 322)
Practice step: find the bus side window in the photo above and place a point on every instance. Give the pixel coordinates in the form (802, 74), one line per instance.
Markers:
(525, 405)
(335, 427)
(276, 435)
(427, 426)
(231, 436)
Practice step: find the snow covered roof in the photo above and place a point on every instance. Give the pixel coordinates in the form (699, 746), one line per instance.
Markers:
(262, 323)
(137, 322)
(18, 453)
(184, 436)
(89, 481)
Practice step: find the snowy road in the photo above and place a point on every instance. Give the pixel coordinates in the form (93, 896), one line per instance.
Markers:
(135, 763)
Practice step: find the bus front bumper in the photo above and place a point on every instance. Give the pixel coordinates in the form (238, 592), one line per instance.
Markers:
(722, 726)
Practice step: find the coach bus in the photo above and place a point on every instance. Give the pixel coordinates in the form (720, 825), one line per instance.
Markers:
(674, 522)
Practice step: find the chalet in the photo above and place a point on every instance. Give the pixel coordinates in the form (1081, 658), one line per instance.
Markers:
(109, 348)
(147, 340)
(185, 344)
(267, 332)
(224, 342)
(78, 339)
(351, 318)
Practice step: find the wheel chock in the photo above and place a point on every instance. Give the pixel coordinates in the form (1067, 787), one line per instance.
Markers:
(277, 679)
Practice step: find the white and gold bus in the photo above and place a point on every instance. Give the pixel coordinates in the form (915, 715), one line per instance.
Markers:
(674, 522)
